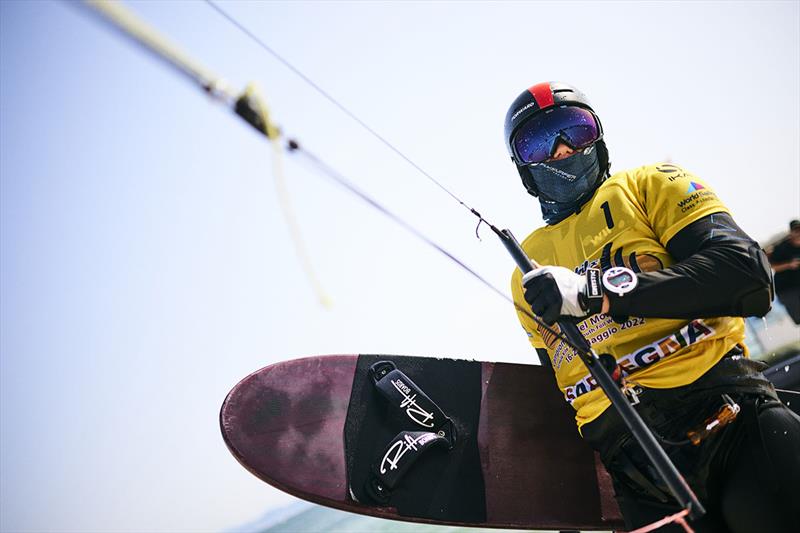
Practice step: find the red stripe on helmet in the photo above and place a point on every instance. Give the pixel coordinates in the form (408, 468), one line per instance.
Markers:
(542, 94)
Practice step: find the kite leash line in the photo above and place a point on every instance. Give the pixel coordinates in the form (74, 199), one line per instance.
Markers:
(252, 107)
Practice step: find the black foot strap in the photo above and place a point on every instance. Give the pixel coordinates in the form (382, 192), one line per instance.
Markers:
(408, 402)
(397, 459)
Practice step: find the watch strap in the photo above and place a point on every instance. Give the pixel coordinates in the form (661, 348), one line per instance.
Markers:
(591, 299)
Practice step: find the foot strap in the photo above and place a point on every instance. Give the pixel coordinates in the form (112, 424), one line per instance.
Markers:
(410, 402)
(397, 459)
(413, 407)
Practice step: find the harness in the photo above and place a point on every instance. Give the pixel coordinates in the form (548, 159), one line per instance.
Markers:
(691, 423)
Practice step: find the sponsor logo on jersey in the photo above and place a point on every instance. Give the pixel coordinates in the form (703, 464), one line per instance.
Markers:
(586, 265)
(667, 168)
(696, 198)
(559, 351)
(673, 171)
(694, 187)
(692, 333)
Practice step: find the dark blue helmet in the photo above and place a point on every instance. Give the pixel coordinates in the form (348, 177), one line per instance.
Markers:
(536, 99)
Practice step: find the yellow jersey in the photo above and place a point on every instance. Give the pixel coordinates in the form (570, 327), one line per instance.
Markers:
(628, 222)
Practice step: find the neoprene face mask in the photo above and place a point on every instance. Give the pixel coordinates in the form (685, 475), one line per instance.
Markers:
(563, 184)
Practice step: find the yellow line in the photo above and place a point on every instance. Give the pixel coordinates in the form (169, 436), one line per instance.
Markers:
(283, 196)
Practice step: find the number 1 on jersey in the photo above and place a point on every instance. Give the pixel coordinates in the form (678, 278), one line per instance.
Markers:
(607, 212)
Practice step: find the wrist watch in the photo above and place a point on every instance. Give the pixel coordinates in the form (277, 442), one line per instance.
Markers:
(616, 280)
(619, 280)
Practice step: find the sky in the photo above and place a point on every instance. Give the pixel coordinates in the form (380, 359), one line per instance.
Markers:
(146, 266)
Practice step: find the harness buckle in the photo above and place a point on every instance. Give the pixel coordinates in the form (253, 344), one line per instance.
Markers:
(724, 416)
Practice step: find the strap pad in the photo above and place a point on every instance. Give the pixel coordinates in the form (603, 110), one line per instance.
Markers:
(401, 453)
(410, 402)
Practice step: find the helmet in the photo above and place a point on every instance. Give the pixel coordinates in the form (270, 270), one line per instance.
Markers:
(538, 98)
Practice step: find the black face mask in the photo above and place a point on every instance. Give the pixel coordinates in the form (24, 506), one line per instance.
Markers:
(564, 185)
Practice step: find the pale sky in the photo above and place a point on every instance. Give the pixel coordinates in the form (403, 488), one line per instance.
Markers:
(146, 266)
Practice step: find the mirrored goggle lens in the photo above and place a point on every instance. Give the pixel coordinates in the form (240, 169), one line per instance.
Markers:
(536, 140)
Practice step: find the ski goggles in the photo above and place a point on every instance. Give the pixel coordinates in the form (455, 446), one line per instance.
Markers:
(537, 139)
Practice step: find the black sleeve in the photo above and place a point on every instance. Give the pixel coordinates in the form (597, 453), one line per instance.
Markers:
(720, 271)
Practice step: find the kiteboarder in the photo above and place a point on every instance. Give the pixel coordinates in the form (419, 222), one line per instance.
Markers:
(656, 273)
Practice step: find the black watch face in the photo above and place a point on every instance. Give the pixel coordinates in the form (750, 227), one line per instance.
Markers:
(619, 280)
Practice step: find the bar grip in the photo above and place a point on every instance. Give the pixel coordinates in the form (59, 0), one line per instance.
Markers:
(526, 264)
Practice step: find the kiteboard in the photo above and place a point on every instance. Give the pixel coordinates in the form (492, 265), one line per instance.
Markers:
(421, 439)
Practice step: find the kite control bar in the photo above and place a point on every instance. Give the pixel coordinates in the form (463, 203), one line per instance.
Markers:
(572, 337)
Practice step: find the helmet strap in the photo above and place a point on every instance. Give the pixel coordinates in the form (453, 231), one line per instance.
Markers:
(527, 180)
(602, 155)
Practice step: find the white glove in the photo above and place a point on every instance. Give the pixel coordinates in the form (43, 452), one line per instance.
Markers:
(554, 292)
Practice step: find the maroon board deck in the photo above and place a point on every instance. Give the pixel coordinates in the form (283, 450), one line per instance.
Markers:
(314, 427)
